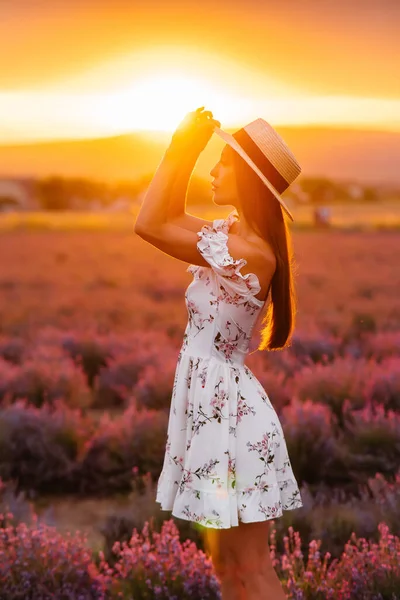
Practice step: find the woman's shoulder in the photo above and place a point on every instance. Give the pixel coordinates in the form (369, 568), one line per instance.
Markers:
(262, 249)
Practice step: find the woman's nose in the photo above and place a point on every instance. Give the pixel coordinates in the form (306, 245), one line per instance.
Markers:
(213, 172)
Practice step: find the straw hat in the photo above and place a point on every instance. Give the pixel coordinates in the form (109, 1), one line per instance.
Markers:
(267, 154)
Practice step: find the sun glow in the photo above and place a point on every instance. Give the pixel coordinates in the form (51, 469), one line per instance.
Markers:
(156, 97)
(159, 103)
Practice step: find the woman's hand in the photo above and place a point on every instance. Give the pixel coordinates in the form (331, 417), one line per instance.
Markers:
(193, 133)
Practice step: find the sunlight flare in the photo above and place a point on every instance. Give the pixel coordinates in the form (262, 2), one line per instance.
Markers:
(160, 102)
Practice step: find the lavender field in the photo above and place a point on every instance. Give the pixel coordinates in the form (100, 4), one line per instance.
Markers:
(88, 318)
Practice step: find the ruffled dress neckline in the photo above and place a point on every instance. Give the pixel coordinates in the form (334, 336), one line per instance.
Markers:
(213, 246)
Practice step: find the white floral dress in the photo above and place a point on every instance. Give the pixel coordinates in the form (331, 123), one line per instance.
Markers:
(226, 458)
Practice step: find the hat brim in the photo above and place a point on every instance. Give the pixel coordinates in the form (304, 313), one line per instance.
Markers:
(229, 139)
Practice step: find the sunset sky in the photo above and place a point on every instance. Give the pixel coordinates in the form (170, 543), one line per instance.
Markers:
(89, 68)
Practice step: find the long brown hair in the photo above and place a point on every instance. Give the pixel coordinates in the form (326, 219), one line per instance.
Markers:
(264, 214)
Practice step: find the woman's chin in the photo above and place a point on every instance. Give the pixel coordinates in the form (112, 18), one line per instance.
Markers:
(216, 199)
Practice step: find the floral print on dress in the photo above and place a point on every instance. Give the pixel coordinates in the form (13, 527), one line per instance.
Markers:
(196, 319)
(225, 296)
(219, 402)
(243, 408)
(226, 458)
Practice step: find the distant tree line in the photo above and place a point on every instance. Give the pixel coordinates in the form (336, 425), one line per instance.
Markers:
(63, 193)
(322, 190)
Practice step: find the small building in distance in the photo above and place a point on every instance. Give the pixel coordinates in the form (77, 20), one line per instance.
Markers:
(18, 194)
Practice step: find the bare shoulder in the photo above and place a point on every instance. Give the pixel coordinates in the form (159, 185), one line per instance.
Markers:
(260, 258)
(257, 252)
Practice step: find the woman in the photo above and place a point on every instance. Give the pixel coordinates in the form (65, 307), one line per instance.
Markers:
(226, 463)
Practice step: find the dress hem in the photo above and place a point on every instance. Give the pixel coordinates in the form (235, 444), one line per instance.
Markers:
(224, 509)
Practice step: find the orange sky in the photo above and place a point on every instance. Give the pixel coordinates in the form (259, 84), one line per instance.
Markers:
(70, 69)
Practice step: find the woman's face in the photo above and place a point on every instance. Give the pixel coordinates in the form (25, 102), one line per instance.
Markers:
(225, 190)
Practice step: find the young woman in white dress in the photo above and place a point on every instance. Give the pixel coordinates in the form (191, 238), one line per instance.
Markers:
(240, 553)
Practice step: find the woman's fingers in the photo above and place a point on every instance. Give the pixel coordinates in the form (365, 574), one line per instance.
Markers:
(214, 123)
(200, 114)
(208, 118)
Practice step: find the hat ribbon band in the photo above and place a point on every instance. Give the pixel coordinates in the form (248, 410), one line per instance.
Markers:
(262, 162)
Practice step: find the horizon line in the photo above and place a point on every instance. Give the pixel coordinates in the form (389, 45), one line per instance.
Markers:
(163, 133)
